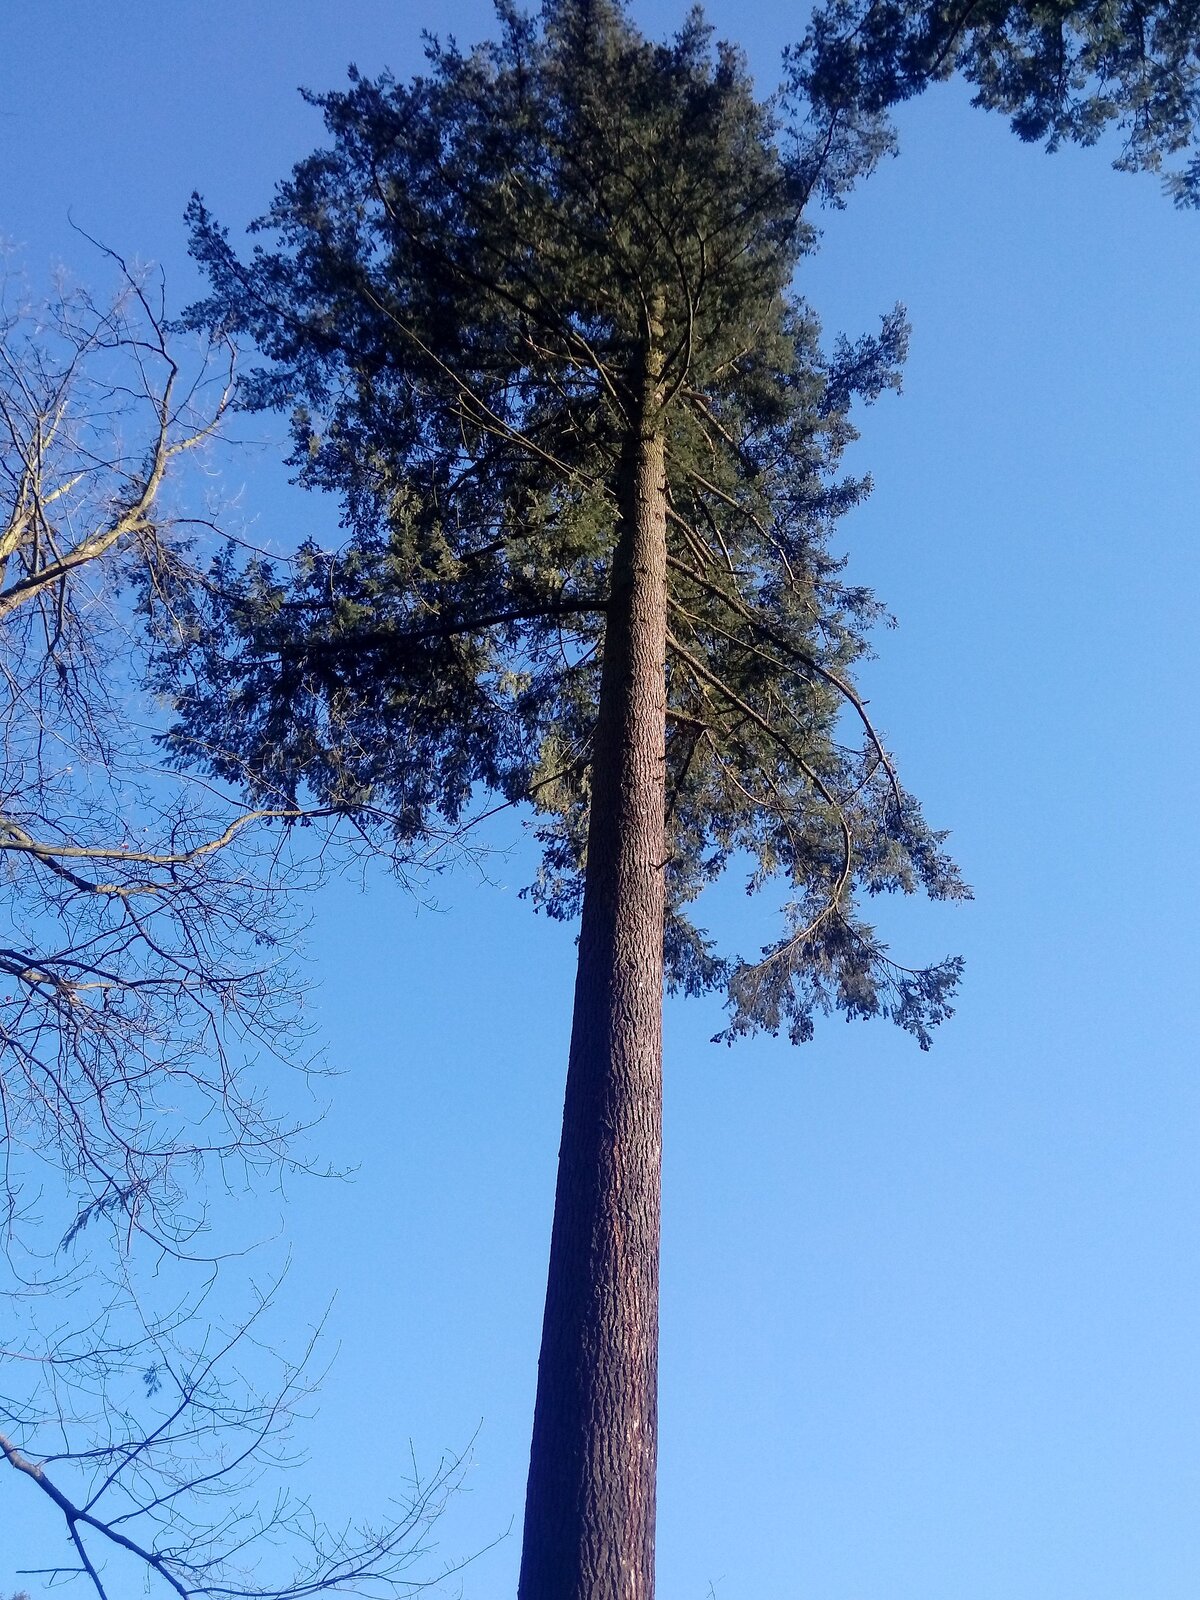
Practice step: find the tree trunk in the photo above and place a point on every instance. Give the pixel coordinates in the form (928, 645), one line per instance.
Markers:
(589, 1513)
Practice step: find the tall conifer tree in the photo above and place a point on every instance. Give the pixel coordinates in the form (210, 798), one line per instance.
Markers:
(532, 316)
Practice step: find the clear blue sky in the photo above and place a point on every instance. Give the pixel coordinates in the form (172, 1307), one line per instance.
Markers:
(931, 1323)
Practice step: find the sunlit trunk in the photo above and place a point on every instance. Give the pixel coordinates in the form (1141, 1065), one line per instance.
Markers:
(589, 1516)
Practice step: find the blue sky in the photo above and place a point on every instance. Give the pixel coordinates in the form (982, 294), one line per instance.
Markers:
(930, 1322)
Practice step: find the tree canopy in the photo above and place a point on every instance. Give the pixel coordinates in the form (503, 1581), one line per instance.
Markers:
(455, 303)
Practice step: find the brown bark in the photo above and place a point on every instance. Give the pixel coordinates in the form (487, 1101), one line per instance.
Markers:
(589, 1514)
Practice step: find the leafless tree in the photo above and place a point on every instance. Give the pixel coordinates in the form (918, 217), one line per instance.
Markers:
(139, 966)
(143, 974)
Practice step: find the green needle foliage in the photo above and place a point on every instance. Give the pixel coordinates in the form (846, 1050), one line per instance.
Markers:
(1063, 70)
(453, 301)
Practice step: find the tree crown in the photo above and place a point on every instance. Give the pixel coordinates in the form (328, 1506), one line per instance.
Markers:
(462, 298)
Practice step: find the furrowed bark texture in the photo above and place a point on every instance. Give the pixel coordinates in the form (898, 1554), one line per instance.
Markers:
(589, 1513)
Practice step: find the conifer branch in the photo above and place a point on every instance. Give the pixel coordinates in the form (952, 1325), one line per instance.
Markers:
(799, 659)
(704, 675)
